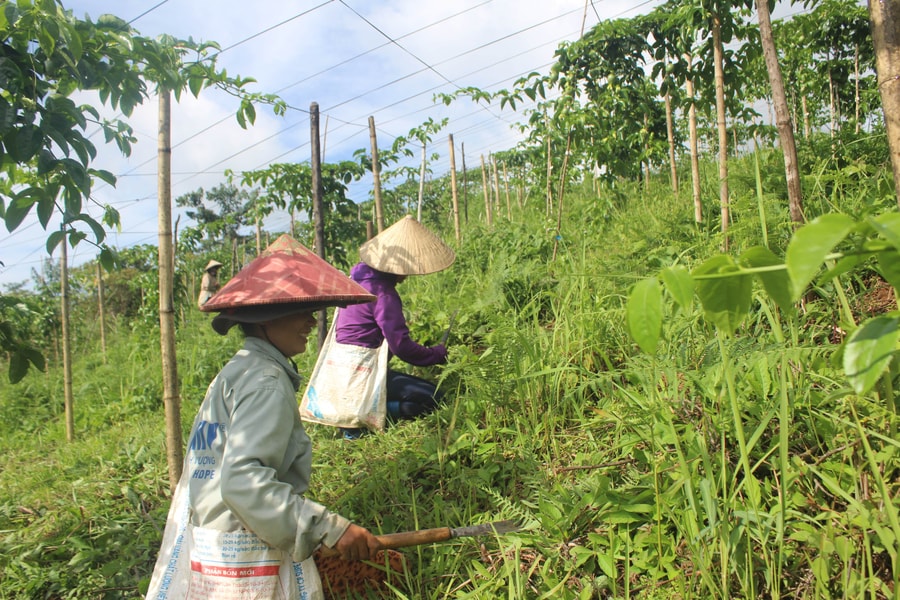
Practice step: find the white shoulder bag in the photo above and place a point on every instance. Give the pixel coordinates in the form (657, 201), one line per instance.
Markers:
(348, 385)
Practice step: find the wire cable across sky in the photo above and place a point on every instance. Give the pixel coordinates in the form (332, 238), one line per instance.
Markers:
(355, 58)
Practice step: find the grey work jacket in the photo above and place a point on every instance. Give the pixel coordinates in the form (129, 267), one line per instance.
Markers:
(249, 458)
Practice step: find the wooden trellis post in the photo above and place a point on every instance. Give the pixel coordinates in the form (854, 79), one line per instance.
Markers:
(453, 191)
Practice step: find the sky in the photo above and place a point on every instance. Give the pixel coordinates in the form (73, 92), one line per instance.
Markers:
(356, 59)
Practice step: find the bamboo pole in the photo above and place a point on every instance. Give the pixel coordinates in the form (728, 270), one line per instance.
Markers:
(462, 152)
(102, 309)
(487, 199)
(171, 399)
(561, 194)
(490, 184)
(495, 171)
(520, 189)
(721, 126)
(318, 192)
(694, 150)
(670, 135)
(549, 208)
(69, 401)
(421, 185)
(376, 176)
(453, 191)
(506, 187)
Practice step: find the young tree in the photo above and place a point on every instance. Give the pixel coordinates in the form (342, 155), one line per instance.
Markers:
(220, 212)
(288, 186)
(47, 55)
(179, 66)
(668, 49)
(718, 56)
(50, 55)
(782, 114)
(885, 15)
(621, 123)
(796, 61)
(829, 53)
(721, 124)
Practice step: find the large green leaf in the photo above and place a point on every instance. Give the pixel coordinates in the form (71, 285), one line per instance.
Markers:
(79, 176)
(18, 367)
(54, 239)
(888, 225)
(69, 36)
(679, 284)
(19, 208)
(196, 83)
(45, 207)
(724, 290)
(23, 143)
(810, 246)
(107, 258)
(104, 175)
(644, 314)
(47, 36)
(7, 114)
(869, 351)
(34, 356)
(99, 232)
(776, 281)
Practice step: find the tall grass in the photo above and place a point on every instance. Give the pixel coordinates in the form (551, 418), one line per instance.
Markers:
(717, 468)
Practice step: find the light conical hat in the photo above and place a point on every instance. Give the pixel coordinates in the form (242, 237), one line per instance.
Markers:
(287, 273)
(212, 264)
(407, 248)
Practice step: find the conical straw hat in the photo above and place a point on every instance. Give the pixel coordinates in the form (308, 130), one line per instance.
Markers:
(407, 248)
(287, 273)
(212, 264)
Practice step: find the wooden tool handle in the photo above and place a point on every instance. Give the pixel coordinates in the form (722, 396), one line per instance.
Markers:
(403, 539)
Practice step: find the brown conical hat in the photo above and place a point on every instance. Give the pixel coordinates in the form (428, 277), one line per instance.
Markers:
(286, 273)
(407, 248)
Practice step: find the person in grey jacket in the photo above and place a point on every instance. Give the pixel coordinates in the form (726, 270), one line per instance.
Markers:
(249, 458)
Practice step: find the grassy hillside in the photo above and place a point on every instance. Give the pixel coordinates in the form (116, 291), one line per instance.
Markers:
(719, 467)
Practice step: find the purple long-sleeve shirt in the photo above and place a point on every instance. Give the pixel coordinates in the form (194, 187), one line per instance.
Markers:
(371, 323)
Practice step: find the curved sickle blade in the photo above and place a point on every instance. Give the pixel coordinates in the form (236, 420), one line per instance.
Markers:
(497, 528)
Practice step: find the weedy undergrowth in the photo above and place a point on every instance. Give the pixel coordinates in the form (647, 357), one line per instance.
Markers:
(714, 465)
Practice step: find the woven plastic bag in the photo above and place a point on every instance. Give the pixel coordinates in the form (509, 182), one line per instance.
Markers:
(348, 385)
(197, 563)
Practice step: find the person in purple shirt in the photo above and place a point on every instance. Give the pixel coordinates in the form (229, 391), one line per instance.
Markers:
(403, 249)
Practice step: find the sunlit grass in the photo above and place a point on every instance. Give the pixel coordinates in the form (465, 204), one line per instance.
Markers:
(718, 468)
